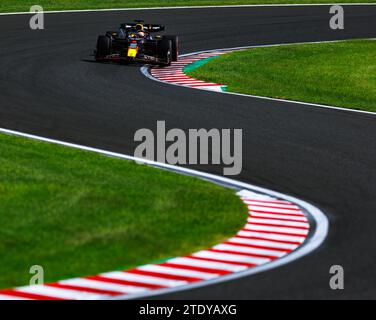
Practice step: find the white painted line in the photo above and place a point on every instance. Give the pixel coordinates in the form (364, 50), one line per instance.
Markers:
(189, 7)
(208, 88)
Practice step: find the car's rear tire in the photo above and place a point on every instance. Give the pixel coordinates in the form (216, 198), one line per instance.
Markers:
(175, 46)
(165, 52)
(103, 47)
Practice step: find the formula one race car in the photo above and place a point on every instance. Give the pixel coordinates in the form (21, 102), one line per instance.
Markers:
(134, 42)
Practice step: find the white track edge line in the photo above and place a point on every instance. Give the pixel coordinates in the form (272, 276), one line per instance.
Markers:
(145, 72)
(193, 7)
(312, 243)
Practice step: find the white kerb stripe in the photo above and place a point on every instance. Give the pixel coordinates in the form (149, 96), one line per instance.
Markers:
(143, 279)
(171, 73)
(6, 297)
(59, 293)
(269, 204)
(279, 222)
(276, 229)
(207, 264)
(178, 272)
(230, 257)
(277, 216)
(174, 77)
(264, 243)
(265, 209)
(241, 249)
(101, 285)
(271, 236)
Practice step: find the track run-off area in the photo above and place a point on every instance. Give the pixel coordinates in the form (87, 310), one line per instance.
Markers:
(50, 87)
(278, 230)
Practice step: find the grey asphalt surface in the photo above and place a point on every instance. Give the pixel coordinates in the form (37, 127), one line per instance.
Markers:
(50, 87)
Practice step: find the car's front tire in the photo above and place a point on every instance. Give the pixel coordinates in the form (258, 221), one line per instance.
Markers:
(103, 47)
(175, 46)
(165, 52)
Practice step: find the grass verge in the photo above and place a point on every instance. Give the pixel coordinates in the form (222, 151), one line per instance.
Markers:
(342, 74)
(24, 5)
(79, 213)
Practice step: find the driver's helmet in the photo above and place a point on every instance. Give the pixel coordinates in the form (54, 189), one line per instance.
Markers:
(140, 30)
(139, 27)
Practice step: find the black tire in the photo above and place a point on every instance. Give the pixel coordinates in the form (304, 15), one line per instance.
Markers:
(103, 46)
(165, 52)
(175, 46)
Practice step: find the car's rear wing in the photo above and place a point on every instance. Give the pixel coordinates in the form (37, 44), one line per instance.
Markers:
(147, 27)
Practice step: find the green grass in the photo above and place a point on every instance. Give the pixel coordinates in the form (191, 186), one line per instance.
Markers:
(24, 5)
(79, 213)
(342, 74)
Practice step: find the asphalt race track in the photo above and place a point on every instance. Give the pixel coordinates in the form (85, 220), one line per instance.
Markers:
(50, 87)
